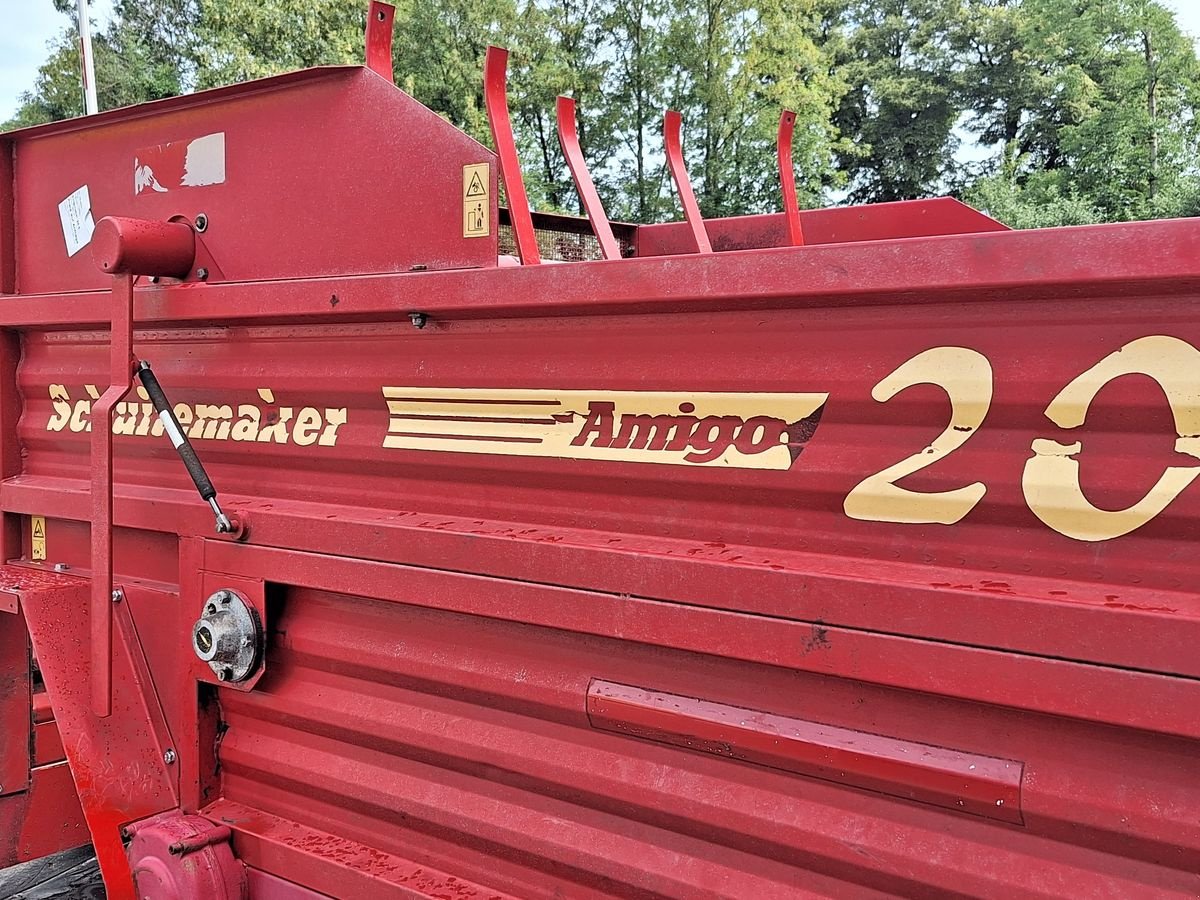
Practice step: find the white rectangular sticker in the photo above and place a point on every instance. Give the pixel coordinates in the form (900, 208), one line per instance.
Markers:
(75, 213)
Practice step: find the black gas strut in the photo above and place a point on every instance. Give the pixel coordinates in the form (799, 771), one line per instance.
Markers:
(183, 446)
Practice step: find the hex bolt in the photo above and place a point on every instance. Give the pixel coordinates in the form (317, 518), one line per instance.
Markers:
(202, 274)
(169, 757)
(201, 224)
(418, 319)
(117, 596)
(225, 674)
(61, 567)
(225, 597)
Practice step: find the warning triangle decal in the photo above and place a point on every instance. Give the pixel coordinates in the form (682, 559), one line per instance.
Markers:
(39, 528)
(476, 188)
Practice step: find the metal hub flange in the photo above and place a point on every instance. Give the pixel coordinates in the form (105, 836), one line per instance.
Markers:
(227, 636)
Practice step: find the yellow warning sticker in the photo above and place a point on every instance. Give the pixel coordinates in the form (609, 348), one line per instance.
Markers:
(477, 212)
(39, 537)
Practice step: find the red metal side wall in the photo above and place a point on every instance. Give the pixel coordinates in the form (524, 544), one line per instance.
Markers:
(555, 676)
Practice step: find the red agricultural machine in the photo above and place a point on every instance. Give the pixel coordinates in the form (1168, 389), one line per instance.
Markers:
(842, 552)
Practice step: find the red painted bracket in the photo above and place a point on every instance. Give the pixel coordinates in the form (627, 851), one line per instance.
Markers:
(380, 19)
(120, 763)
(672, 123)
(568, 138)
(120, 381)
(495, 96)
(967, 782)
(787, 177)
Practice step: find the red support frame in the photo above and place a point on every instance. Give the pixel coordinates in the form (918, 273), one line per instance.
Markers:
(568, 138)
(380, 18)
(787, 177)
(495, 95)
(672, 123)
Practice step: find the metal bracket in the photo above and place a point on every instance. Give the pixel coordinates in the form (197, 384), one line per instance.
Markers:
(495, 96)
(568, 137)
(672, 123)
(380, 18)
(787, 177)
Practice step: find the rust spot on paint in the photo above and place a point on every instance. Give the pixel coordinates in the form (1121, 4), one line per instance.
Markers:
(818, 640)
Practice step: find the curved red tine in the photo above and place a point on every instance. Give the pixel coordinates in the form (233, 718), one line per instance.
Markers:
(568, 137)
(379, 38)
(672, 122)
(787, 178)
(495, 96)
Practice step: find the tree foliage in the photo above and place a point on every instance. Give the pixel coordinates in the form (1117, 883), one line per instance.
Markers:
(1043, 112)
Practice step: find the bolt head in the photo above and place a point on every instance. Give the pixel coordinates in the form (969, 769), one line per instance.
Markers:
(224, 674)
(61, 567)
(116, 596)
(202, 273)
(201, 222)
(169, 757)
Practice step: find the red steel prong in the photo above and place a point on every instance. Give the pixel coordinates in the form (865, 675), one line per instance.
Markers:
(379, 38)
(672, 123)
(787, 178)
(495, 96)
(568, 137)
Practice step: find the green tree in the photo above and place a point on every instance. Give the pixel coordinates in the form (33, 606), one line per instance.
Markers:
(903, 98)
(1092, 105)
(737, 65)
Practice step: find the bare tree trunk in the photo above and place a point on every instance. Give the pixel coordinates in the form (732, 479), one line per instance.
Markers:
(1151, 109)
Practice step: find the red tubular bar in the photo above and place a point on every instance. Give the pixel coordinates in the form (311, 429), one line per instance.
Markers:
(787, 177)
(379, 38)
(568, 137)
(495, 96)
(672, 122)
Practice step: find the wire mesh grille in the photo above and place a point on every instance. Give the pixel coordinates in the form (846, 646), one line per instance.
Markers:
(560, 246)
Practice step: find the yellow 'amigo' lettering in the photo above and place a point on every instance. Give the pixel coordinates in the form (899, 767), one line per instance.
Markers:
(251, 422)
(739, 430)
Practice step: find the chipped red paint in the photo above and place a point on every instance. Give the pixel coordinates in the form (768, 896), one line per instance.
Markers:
(494, 675)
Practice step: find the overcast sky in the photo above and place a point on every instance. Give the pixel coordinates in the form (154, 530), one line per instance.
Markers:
(29, 24)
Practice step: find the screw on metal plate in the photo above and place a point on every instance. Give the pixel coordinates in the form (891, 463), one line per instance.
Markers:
(169, 757)
(61, 567)
(202, 273)
(418, 319)
(201, 224)
(118, 595)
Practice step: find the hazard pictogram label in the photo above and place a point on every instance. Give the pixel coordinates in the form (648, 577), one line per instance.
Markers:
(38, 545)
(477, 210)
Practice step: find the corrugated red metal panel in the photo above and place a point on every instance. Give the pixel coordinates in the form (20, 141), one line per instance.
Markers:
(455, 740)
